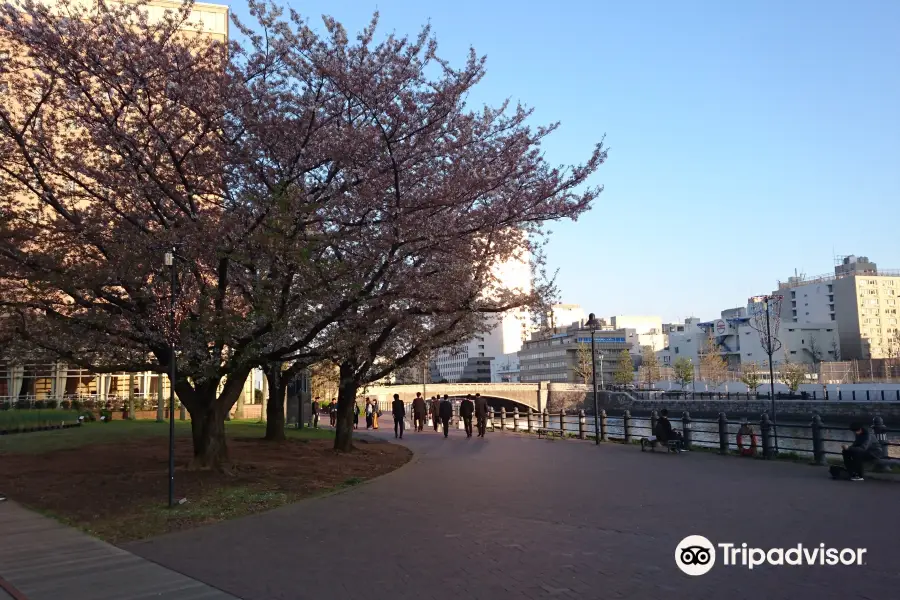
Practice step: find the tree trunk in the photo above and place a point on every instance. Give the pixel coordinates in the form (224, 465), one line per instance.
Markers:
(208, 416)
(277, 382)
(208, 433)
(343, 437)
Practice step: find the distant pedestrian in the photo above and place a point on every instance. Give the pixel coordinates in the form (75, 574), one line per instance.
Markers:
(314, 414)
(376, 413)
(370, 412)
(481, 413)
(446, 412)
(355, 415)
(435, 408)
(399, 410)
(332, 412)
(466, 410)
(419, 411)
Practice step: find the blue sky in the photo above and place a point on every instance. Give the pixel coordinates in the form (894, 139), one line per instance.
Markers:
(746, 139)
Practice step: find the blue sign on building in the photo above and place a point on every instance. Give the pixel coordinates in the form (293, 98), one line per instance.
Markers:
(602, 340)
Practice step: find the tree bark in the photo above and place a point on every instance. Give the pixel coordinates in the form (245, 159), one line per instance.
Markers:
(343, 437)
(277, 380)
(208, 417)
(208, 433)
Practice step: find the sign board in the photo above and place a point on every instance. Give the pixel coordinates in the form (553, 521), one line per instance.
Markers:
(721, 327)
(602, 340)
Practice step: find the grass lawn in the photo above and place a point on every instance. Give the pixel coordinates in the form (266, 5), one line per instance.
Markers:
(110, 479)
(16, 419)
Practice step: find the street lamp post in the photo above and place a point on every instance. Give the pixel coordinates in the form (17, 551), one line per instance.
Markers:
(169, 260)
(592, 323)
(770, 351)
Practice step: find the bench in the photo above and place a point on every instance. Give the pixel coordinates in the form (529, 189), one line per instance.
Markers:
(885, 463)
(651, 442)
(548, 433)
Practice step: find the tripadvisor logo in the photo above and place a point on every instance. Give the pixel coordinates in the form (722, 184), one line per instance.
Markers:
(696, 555)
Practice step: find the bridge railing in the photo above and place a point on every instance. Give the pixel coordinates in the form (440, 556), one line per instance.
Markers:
(814, 438)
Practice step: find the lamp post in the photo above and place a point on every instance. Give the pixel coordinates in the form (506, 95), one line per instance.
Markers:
(169, 260)
(592, 323)
(770, 351)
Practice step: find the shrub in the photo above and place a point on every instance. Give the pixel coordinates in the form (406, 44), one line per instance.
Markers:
(4, 405)
(51, 404)
(23, 404)
(65, 405)
(88, 416)
(39, 404)
(89, 404)
(76, 404)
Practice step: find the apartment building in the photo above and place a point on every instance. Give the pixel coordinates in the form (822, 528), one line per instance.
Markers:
(859, 298)
(491, 356)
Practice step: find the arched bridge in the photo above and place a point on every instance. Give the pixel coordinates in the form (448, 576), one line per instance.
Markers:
(536, 396)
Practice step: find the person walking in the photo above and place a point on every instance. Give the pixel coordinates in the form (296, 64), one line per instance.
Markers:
(399, 410)
(466, 410)
(481, 410)
(332, 412)
(355, 415)
(314, 414)
(375, 414)
(370, 410)
(446, 413)
(435, 407)
(419, 410)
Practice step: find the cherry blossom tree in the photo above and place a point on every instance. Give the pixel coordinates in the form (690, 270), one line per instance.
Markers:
(326, 199)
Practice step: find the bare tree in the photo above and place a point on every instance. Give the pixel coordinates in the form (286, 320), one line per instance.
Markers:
(750, 376)
(793, 374)
(835, 349)
(584, 364)
(624, 373)
(814, 350)
(324, 380)
(649, 365)
(713, 367)
(684, 371)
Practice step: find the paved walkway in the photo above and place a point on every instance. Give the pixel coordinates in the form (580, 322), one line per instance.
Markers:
(44, 560)
(516, 517)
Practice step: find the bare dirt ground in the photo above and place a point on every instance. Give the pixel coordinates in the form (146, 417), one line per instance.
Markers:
(118, 491)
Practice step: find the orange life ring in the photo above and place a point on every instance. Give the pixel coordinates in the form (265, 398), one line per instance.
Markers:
(740, 444)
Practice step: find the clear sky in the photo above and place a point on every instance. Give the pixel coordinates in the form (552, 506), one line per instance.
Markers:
(746, 139)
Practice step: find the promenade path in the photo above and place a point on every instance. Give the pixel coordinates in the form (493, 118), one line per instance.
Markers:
(43, 560)
(511, 516)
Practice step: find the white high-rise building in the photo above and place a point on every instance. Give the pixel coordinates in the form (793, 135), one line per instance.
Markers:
(491, 356)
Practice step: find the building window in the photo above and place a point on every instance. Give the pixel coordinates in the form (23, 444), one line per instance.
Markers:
(793, 352)
(832, 316)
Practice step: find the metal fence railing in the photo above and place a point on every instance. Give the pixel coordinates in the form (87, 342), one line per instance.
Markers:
(816, 396)
(815, 438)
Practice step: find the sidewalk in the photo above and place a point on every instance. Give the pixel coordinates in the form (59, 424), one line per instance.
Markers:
(44, 560)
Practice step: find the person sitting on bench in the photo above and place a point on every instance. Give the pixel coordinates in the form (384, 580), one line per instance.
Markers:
(861, 451)
(664, 432)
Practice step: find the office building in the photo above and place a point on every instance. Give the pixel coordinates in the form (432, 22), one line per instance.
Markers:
(556, 355)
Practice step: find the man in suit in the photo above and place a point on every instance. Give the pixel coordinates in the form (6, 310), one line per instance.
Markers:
(481, 414)
(466, 410)
(418, 409)
(435, 407)
(446, 413)
(399, 410)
